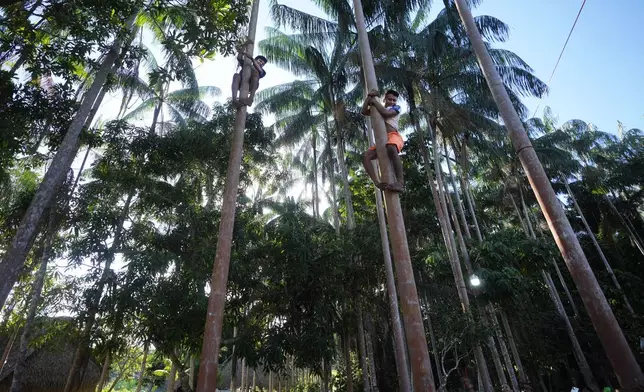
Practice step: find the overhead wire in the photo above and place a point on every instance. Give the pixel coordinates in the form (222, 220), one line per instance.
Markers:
(562, 52)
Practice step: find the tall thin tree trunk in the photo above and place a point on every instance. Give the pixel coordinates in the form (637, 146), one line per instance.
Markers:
(146, 348)
(155, 117)
(254, 380)
(496, 358)
(465, 186)
(525, 212)
(432, 339)
(400, 355)
(509, 366)
(413, 322)
(14, 258)
(523, 378)
(615, 345)
(372, 363)
(346, 343)
(331, 171)
(634, 237)
(584, 368)
(17, 383)
(363, 354)
(457, 197)
(191, 375)
(104, 373)
(209, 364)
(565, 288)
(233, 363)
(607, 265)
(270, 381)
(81, 357)
(316, 195)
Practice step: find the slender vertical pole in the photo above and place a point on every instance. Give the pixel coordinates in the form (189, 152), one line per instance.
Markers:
(412, 318)
(617, 350)
(400, 355)
(208, 367)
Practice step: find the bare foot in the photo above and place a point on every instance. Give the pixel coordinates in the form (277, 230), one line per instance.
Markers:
(237, 104)
(373, 93)
(246, 101)
(396, 187)
(381, 185)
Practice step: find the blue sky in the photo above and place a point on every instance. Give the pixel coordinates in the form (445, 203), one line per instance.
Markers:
(599, 80)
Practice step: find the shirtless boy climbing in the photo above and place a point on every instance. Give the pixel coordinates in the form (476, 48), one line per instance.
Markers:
(256, 73)
(390, 111)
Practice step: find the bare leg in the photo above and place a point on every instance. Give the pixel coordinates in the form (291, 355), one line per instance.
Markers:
(367, 157)
(397, 186)
(253, 85)
(235, 88)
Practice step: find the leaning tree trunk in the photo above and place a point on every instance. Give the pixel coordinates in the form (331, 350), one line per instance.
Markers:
(209, 364)
(523, 378)
(17, 383)
(634, 237)
(14, 259)
(613, 340)
(509, 366)
(577, 351)
(331, 175)
(172, 377)
(466, 191)
(416, 340)
(607, 265)
(139, 383)
(457, 197)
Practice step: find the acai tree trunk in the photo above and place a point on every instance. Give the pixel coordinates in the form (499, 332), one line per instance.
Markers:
(603, 319)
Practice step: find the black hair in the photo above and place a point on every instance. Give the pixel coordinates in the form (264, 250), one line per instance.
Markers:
(260, 57)
(392, 92)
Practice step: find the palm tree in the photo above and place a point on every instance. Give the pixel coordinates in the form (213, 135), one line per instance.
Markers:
(610, 334)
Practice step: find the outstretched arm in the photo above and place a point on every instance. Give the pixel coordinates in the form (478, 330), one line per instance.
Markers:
(384, 112)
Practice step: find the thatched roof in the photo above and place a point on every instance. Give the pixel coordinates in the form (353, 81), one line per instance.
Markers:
(47, 365)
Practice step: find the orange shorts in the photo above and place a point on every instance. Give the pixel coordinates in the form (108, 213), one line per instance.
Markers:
(394, 139)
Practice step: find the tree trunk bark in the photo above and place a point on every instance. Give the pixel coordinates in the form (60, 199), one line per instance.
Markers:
(457, 197)
(400, 355)
(104, 373)
(331, 170)
(416, 340)
(607, 265)
(496, 358)
(270, 381)
(155, 117)
(36, 293)
(615, 345)
(233, 364)
(523, 378)
(509, 366)
(172, 377)
(81, 357)
(465, 185)
(146, 348)
(254, 380)
(208, 366)
(316, 195)
(577, 351)
(14, 259)
(372, 363)
(565, 287)
(347, 360)
(634, 237)
(432, 339)
(363, 354)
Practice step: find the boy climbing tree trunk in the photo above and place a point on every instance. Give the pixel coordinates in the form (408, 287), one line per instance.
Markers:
(421, 368)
